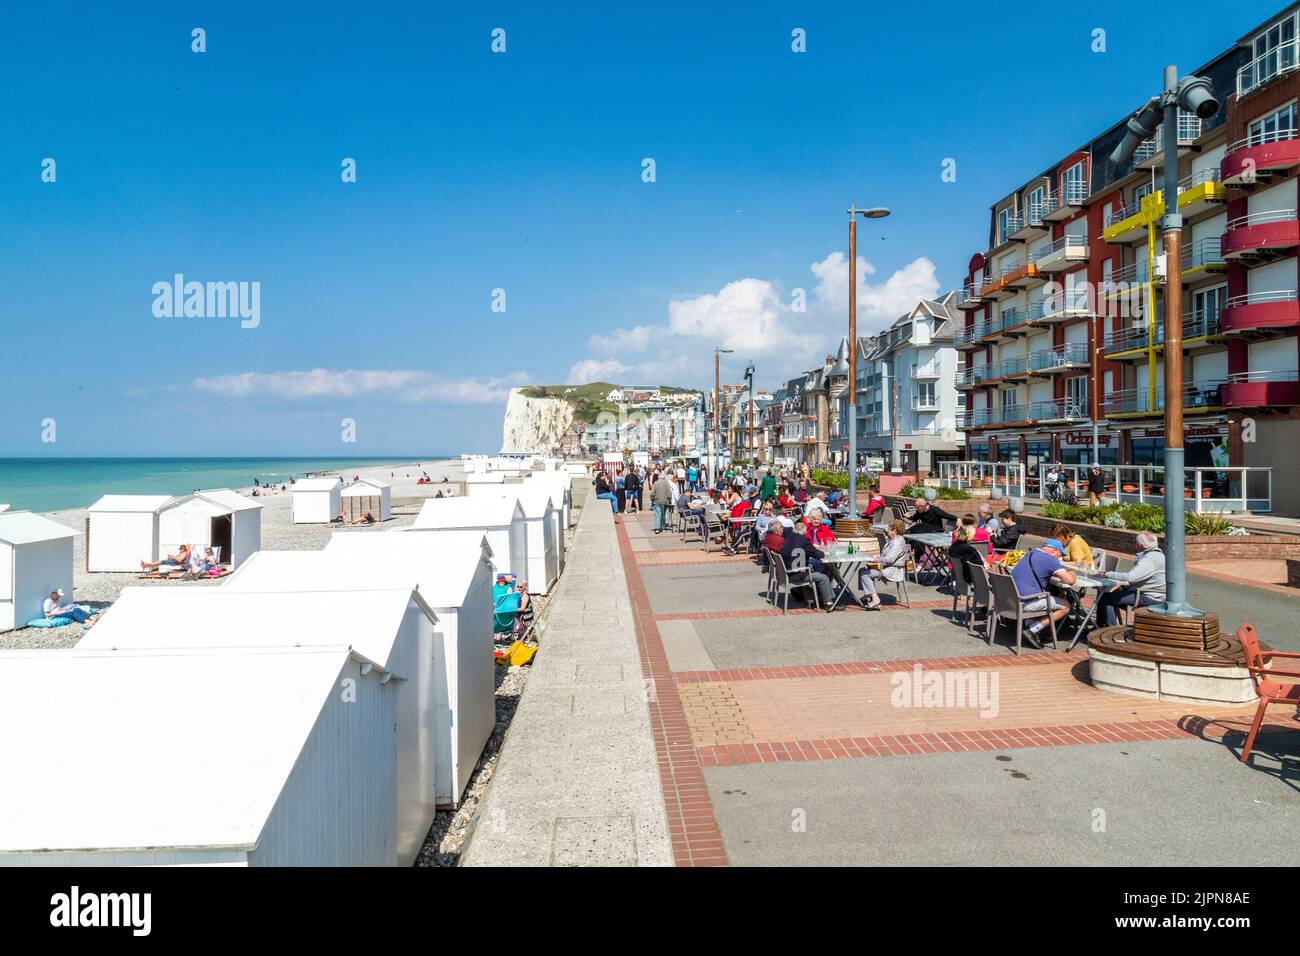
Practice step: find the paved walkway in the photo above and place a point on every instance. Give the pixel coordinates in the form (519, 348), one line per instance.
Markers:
(809, 738)
(577, 783)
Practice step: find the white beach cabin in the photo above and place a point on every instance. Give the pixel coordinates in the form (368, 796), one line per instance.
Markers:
(501, 520)
(368, 494)
(543, 523)
(488, 482)
(561, 487)
(452, 571)
(122, 531)
(393, 627)
(220, 518)
(36, 557)
(316, 500)
(197, 757)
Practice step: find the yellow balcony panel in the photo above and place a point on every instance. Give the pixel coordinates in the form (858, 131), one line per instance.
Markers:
(1203, 197)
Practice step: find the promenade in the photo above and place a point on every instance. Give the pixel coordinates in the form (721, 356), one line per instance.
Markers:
(779, 739)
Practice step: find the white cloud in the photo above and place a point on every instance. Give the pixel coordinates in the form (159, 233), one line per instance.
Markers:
(404, 385)
(595, 370)
(753, 317)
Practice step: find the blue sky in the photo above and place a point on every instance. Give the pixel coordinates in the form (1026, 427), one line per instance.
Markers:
(520, 171)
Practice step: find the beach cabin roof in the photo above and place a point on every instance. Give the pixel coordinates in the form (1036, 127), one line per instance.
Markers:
(533, 498)
(222, 617)
(186, 749)
(138, 504)
(487, 512)
(438, 565)
(3, 509)
(317, 484)
(486, 478)
(25, 527)
(361, 484)
(223, 498)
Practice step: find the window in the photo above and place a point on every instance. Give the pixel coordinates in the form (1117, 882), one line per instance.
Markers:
(1278, 125)
(1036, 203)
(1005, 217)
(1008, 398)
(1207, 304)
(1074, 182)
(925, 395)
(1273, 51)
(1076, 396)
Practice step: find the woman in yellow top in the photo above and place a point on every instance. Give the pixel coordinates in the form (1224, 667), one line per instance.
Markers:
(1076, 549)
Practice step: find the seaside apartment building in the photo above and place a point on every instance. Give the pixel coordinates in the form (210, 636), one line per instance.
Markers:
(906, 378)
(1063, 309)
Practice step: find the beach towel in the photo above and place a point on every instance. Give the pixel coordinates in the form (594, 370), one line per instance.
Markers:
(505, 601)
(49, 622)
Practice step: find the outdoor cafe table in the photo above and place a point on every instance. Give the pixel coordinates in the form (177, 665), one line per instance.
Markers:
(1083, 581)
(846, 568)
(936, 547)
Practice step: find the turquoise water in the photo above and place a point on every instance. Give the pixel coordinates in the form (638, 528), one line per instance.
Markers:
(53, 484)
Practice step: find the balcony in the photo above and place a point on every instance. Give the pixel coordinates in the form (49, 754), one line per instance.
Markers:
(1136, 402)
(1056, 410)
(1129, 223)
(1062, 254)
(924, 403)
(1261, 235)
(1262, 70)
(1199, 328)
(1029, 224)
(965, 379)
(1261, 312)
(1151, 153)
(1201, 192)
(1065, 202)
(1015, 275)
(1203, 260)
(927, 370)
(969, 337)
(1007, 325)
(969, 297)
(1069, 304)
(1261, 389)
(1062, 359)
(1259, 156)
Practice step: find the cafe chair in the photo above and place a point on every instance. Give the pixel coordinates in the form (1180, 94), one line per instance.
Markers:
(1271, 690)
(784, 584)
(1009, 605)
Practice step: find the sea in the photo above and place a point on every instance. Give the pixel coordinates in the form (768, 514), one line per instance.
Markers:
(55, 484)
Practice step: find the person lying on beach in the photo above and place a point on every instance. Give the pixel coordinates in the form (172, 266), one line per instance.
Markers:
(366, 518)
(54, 607)
(177, 560)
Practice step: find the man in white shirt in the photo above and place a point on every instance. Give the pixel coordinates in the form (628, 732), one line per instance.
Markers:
(54, 607)
(817, 505)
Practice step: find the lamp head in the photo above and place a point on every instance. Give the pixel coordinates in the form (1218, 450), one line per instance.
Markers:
(1140, 128)
(1196, 95)
(876, 212)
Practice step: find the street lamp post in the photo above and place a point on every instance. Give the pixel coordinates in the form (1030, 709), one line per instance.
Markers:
(717, 411)
(877, 212)
(749, 378)
(1192, 94)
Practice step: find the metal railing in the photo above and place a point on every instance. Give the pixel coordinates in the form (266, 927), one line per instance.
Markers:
(1063, 244)
(1070, 301)
(1202, 252)
(1262, 218)
(1123, 212)
(1003, 479)
(1075, 353)
(1212, 488)
(1262, 298)
(1262, 139)
(1132, 401)
(1210, 174)
(1281, 59)
(1197, 324)
(1241, 378)
(1058, 409)
(926, 370)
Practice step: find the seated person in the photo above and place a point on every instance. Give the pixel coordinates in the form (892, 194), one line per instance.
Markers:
(819, 532)
(875, 502)
(740, 507)
(816, 505)
(177, 560)
(783, 499)
(802, 557)
(962, 549)
(1146, 575)
(1077, 551)
(976, 532)
(1033, 574)
(54, 607)
(774, 536)
(1009, 534)
(988, 521)
(202, 560)
(765, 517)
(890, 564)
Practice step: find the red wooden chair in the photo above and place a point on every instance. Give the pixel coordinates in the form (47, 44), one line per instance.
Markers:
(1270, 689)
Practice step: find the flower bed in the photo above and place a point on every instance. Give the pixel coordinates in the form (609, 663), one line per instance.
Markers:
(1198, 547)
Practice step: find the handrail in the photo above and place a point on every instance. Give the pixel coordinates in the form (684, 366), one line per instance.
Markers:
(1203, 252)
(1262, 139)
(1238, 378)
(1281, 59)
(1210, 174)
(1261, 298)
(1261, 218)
(1122, 213)
(1064, 243)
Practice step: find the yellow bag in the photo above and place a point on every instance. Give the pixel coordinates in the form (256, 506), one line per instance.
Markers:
(517, 653)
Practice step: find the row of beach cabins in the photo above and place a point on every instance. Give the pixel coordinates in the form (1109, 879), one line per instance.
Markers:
(312, 708)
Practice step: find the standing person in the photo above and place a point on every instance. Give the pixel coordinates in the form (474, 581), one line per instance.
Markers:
(693, 477)
(661, 499)
(767, 487)
(632, 492)
(681, 479)
(1096, 485)
(1053, 481)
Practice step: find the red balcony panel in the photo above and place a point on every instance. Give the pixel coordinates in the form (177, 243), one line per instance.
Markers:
(1261, 316)
(1260, 394)
(1260, 237)
(1240, 164)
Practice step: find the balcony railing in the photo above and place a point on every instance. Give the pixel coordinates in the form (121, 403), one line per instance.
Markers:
(1210, 174)
(1064, 244)
(1075, 353)
(1197, 324)
(1262, 218)
(1262, 139)
(1262, 298)
(926, 370)
(1137, 401)
(1189, 131)
(1239, 378)
(925, 403)
(1203, 252)
(1281, 59)
(1060, 409)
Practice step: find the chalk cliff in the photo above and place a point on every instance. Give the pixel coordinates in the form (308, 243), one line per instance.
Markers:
(535, 424)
